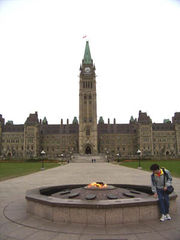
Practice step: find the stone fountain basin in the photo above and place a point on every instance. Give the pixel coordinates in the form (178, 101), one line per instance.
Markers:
(118, 211)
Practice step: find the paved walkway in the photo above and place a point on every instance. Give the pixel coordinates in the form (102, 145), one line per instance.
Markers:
(18, 225)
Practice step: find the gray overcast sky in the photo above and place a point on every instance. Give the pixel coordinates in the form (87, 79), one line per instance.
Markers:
(135, 46)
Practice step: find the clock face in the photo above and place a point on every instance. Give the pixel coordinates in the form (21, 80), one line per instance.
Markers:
(87, 69)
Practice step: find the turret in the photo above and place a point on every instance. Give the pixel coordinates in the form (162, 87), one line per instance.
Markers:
(32, 146)
(145, 141)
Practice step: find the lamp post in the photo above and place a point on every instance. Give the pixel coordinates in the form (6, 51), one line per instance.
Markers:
(42, 159)
(62, 157)
(69, 159)
(107, 153)
(139, 154)
(118, 155)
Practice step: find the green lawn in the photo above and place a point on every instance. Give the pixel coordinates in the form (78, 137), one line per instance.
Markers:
(10, 170)
(172, 165)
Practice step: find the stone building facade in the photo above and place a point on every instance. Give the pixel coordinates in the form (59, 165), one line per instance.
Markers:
(89, 136)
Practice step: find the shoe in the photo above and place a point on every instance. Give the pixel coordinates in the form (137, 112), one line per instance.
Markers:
(163, 218)
(168, 217)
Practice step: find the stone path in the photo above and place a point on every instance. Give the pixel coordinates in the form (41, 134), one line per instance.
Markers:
(16, 224)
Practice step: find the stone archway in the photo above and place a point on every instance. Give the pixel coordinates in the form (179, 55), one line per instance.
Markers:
(88, 150)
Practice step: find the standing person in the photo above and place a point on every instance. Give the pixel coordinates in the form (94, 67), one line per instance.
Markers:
(158, 178)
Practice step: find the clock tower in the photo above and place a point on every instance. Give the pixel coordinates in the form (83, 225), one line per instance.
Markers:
(87, 105)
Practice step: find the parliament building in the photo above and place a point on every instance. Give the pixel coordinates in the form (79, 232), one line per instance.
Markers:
(87, 135)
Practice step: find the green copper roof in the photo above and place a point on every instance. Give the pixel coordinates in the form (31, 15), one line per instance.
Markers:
(45, 120)
(75, 121)
(87, 55)
(101, 120)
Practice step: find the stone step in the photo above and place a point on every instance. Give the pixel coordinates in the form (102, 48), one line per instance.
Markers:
(88, 159)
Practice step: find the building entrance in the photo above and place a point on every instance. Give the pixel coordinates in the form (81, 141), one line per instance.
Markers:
(88, 150)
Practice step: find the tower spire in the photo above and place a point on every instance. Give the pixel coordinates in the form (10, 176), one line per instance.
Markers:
(87, 55)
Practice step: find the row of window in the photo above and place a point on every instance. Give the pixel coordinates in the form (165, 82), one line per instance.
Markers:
(10, 147)
(119, 148)
(58, 138)
(12, 140)
(87, 120)
(60, 142)
(87, 96)
(159, 147)
(85, 102)
(163, 146)
(113, 141)
(20, 148)
(146, 148)
(166, 153)
(164, 139)
(163, 134)
(87, 85)
(57, 149)
(117, 137)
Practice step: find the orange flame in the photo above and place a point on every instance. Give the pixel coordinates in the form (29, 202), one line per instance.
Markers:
(97, 185)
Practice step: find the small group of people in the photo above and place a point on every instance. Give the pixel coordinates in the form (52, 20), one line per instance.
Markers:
(93, 160)
(160, 180)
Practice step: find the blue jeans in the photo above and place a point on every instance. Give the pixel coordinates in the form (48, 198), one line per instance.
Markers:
(163, 201)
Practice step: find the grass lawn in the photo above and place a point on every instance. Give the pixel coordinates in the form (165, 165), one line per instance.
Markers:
(172, 165)
(10, 169)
